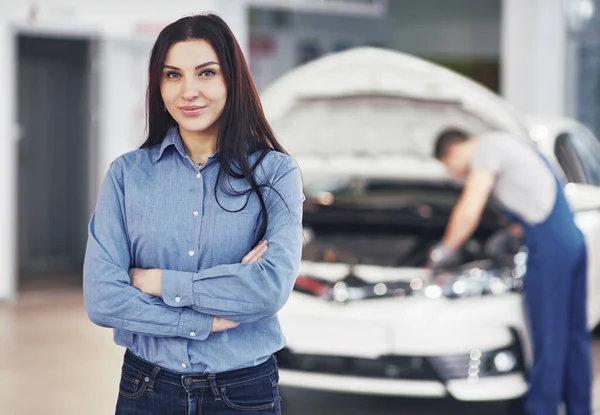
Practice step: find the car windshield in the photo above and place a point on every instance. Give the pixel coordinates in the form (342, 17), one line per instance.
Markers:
(386, 222)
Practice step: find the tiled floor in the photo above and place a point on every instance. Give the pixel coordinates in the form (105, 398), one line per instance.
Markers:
(53, 361)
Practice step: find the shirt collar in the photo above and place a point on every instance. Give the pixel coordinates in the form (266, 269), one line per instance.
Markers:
(171, 139)
(174, 139)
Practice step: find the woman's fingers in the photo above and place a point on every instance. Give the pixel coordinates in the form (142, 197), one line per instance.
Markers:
(256, 252)
(261, 253)
(250, 254)
(221, 324)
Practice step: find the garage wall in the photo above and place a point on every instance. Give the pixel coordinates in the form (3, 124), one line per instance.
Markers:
(450, 31)
(452, 28)
(280, 39)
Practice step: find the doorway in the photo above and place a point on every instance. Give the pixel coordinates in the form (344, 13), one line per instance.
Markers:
(53, 174)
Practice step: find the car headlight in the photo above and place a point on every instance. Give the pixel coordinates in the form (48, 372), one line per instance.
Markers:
(479, 278)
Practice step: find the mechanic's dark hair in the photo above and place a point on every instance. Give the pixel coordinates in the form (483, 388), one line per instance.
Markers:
(243, 127)
(447, 139)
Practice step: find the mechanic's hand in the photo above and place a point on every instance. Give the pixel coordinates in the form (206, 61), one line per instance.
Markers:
(516, 230)
(441, 256)
(222, 324)
(256, 254)
(502, 243)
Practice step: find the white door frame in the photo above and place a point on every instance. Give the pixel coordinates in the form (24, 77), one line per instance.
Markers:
(9, 130)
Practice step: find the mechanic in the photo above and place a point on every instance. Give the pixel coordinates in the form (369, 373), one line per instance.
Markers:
(523, 183)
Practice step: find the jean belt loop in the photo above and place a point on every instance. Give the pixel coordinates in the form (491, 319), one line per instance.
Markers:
(212, 381)
(153, 376)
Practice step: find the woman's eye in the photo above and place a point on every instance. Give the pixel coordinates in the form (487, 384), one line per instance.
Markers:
(172, 75)
(208, 72)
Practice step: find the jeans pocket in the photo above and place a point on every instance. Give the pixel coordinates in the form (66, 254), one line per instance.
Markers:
(133, 383)
(255, 395)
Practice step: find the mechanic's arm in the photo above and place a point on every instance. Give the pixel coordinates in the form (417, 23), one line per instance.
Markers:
(467, 213)
(248, 292)
(110, 299)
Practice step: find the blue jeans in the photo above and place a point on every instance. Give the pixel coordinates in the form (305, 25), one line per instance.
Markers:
(147, 389)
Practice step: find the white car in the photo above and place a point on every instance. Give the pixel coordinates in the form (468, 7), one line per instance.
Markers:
(365, 316)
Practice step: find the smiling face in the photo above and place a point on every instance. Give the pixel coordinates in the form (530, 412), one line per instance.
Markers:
(193, 87)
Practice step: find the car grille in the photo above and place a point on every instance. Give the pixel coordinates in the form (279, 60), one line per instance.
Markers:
(388, 367)
(451, 367)
(442, 368)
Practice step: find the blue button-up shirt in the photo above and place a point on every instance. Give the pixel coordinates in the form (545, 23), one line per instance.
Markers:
(156, 209)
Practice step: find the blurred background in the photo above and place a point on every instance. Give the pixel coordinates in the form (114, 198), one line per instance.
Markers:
(72, 100)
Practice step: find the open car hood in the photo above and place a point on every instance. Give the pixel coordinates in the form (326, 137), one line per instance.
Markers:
(373, 102)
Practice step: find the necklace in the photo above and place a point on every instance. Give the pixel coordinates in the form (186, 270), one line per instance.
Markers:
(196, 163)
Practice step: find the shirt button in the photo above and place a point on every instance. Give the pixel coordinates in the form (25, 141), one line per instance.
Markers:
(198, 176)
(183, 365)
(195, 213)
(193, 333)
(191, 253)
(177, 299)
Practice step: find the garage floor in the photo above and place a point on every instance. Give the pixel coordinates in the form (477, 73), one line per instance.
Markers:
(54, 362)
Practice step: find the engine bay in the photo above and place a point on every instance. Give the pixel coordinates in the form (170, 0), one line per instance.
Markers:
(405, 247)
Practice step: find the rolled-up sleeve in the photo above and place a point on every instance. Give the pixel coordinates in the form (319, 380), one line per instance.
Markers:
(250, 292)
(110, 299)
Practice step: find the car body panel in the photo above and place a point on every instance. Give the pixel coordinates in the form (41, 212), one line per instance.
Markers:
(402, 326)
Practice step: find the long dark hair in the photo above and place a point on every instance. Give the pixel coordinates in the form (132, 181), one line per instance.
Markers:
(243, 127)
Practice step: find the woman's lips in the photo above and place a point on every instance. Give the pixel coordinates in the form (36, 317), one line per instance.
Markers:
(192, 111)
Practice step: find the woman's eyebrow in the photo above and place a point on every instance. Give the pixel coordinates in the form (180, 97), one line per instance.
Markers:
(197, 67)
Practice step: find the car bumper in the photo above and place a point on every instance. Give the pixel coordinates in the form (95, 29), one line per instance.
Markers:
(410, 326)
(405, 347)
(497, 388)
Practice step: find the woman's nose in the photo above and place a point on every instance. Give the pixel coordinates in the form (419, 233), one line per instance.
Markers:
(191, 90)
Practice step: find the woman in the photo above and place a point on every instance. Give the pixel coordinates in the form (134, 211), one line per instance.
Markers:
(177, 260)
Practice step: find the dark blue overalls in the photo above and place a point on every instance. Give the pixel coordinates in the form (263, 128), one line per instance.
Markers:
(555, 301)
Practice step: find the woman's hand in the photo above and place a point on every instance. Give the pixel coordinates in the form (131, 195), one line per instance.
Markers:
(256, 254)
(222, 324)
(148, 281)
